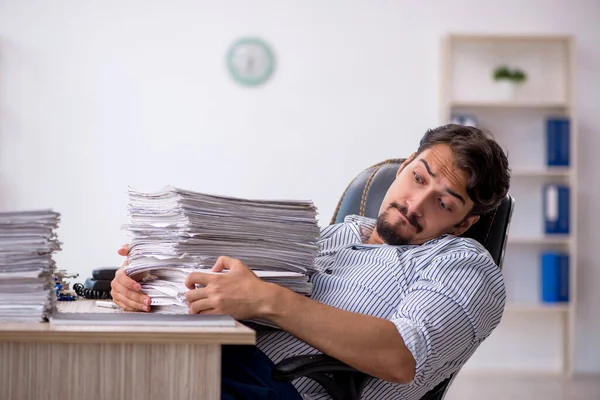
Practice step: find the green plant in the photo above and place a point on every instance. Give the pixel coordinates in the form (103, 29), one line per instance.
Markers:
(503, 72)
(519, 76)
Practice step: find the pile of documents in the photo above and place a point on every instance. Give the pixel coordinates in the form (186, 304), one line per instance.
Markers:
(27, 242)
(175, 232)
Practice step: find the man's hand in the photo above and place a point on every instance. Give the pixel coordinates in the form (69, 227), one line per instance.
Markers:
(239, 292)
(125, 291)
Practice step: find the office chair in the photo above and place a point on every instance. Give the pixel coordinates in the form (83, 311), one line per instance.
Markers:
(363, 196)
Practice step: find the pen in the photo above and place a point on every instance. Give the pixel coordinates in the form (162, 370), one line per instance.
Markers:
(106, 304)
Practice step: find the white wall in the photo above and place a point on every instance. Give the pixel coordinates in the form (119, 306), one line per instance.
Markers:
(99, 95)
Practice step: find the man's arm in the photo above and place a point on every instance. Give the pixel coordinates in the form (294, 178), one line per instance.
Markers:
(441, 319)
(370, 344)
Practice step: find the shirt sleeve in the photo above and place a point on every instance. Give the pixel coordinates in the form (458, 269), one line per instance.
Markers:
(454, 306)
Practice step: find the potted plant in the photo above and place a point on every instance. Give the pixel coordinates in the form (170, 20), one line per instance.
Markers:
(507, 80)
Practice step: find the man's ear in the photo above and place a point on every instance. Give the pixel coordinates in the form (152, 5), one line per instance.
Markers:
(405, 163)
(464, 225)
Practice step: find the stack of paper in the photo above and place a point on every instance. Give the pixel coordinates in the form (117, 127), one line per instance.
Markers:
(177, 231)
(27, 241)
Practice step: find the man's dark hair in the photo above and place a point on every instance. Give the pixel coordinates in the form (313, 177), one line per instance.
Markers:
(477, 153)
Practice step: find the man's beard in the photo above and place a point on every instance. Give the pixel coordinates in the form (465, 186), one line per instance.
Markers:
(389, 232)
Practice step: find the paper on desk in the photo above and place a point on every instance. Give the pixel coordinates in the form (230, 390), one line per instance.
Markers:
(28, 241)
(166, 286)
(142, 319)
(175, 231)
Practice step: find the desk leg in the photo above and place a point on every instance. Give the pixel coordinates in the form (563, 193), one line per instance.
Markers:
(75, 371)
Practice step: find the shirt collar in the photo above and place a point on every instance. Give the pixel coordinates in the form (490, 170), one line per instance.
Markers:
(364, 225)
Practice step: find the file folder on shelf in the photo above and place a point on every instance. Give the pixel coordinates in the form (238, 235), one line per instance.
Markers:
(558, 141)
(556, 199)
(554, 277)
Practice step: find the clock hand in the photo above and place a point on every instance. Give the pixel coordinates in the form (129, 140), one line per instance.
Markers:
(250, 65)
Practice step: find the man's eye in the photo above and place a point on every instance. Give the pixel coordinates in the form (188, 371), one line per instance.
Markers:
(444, 206)
(417, 178)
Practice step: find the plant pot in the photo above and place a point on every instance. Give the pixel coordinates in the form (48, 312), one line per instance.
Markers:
(506, 90)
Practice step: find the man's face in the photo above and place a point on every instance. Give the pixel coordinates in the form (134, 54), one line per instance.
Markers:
(427, 199)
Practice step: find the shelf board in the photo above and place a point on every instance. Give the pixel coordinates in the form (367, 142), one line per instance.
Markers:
(465, 37)
(555, 239)
(537, 307)
(508, 104)
(511, 373)
(542, 172)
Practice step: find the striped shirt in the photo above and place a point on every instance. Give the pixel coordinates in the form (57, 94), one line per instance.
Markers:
(444, 296)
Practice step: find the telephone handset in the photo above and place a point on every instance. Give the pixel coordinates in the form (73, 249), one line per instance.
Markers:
(98, 286)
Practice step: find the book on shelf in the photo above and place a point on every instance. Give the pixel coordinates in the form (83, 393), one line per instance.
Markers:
(554, 277)
(556, 208)
(558, 141)
(464, 119)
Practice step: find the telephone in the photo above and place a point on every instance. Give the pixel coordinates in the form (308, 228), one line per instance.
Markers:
(98, 286)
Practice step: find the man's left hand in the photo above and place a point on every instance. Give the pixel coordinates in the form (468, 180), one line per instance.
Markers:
(238, 292)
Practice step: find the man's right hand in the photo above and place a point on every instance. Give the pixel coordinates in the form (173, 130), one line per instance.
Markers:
(125, 291)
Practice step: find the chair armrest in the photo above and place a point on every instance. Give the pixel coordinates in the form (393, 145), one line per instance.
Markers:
(306, 364)
(341, 381)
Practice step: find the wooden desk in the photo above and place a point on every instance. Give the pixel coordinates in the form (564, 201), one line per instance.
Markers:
(42, 361)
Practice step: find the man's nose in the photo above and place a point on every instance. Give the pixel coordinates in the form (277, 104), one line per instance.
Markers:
(417, 204)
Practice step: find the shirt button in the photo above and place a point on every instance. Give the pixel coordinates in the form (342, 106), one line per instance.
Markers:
(328, 271)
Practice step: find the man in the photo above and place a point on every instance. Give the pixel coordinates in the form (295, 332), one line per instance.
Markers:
(402, 298)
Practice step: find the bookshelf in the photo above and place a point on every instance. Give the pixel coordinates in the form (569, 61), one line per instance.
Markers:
(548, 172)
(508, 104)
(536, 308)
(550, 240)
(534, 336)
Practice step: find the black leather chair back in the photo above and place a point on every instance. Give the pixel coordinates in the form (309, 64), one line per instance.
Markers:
(364, 195)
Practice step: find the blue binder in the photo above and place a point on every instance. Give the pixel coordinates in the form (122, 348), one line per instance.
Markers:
(555, 277)
(558, 149)
(556, 209)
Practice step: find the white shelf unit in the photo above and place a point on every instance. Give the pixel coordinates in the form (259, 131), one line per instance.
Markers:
(550, 240)
(533, 337)
(536, 308)
(555, 171)
(508, 104)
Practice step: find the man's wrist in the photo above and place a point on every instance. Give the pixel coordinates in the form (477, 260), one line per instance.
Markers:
(274, 301)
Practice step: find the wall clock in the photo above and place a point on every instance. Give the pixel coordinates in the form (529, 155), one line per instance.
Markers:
(250, 61)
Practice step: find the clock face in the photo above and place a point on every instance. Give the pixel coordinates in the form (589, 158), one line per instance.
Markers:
(250, 61)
